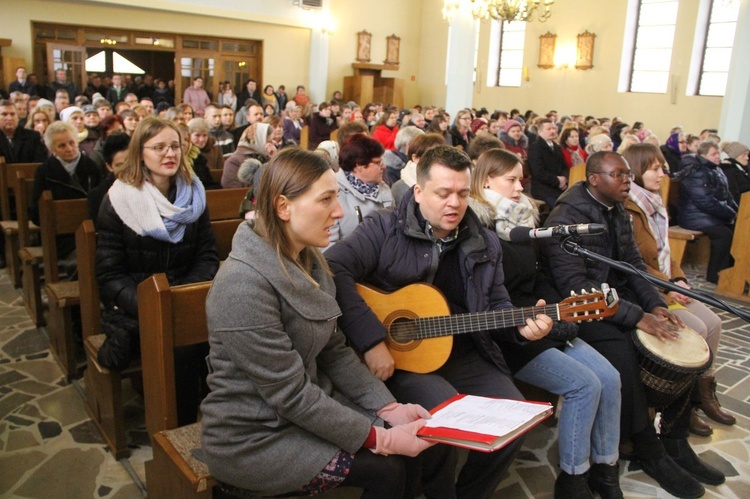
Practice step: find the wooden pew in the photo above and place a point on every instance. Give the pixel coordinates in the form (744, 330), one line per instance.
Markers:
(216, 174)
(577, 173)
(104, 387)
(171, 317)
(304, 138)
(224, 204)
(9, 223)
(30, 256)
(58, 218)
(734, 281)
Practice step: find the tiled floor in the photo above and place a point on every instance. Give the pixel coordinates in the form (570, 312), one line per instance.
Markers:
(50, 449)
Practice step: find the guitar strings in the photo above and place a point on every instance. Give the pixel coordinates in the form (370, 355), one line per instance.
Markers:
(434, 327)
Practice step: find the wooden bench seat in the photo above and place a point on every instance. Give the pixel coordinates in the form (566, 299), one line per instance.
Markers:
(178, 445)
(30, 257)
(678, 239)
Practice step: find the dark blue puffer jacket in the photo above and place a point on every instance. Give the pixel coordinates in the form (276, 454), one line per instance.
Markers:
(705, 200)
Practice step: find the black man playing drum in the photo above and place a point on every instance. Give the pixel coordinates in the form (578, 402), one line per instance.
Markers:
(599, 199)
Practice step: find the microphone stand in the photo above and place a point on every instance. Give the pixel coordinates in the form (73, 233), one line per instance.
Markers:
(571, 246)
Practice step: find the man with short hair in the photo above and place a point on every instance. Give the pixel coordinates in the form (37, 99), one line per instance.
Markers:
(227, 117)
(61, 101)
(146, 90)
(148, 104)
(223, 138)
(17, 144)
(131, 99)
(61, 83)
(435, 237)
(549, 172)
(116, 93)
(22, 83)
(253, 115)
(197, 97)
(599, 199)
(95, 86)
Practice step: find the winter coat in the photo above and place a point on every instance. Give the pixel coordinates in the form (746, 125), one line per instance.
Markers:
(320, 130)
(738, 178)
(574, 273)
(646, 241)
(546, 164)
(394, 162)
(352, 200)
(125, 259)
(287, 393)
(705, 200)
(673, 159)
(26, 147)
(386, 136)
(232, 165)
(457, 140)
(291, 132)
(519, 147)
(390, 250)
(52, 176)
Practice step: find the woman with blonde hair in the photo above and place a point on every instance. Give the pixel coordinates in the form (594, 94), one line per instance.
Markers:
(292, 410)
(588, 428)
(600, 142)
(38, 120)
(460, 132)
(152, 220)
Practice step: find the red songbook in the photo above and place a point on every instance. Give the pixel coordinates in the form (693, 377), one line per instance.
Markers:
(483, 423)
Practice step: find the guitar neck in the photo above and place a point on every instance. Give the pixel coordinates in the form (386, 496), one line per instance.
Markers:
(433, 327)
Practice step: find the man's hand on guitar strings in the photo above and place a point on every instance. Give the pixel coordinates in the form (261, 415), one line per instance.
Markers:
(380, 361)
(538, 328)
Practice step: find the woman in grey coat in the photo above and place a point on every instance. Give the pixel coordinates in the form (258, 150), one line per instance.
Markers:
(292, 409)
(361, 187)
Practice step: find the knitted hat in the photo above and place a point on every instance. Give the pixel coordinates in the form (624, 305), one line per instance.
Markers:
(87, 109)
(734, 149)
(477, 124)
(68, 111)
(510, 124)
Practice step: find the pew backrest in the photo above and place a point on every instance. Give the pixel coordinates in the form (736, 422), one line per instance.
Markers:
(58, 218)
(169, 317)
(224, 204)
(7, 182)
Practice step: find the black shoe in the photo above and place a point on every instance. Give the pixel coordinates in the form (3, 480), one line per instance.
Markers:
(681, 453)
(604, 479)
(672, 478)
(572, 487)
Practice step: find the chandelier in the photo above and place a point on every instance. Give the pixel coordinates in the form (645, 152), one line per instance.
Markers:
(500, 10)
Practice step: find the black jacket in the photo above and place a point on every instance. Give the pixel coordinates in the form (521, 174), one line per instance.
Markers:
(27, 147)
(738, 178)
(457, 140)
(124, 259)
(705, 200)
(390, 250)
(546, 164)
(25, 87)
(574, 273)
(53, 177)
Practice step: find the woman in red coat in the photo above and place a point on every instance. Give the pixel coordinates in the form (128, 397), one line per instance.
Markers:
(386, 129)
(573, 152)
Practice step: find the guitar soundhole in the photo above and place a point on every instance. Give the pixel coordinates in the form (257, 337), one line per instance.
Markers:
(401, 331)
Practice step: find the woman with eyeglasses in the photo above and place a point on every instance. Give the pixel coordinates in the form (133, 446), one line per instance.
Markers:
(651, 229)
(153, 220)
(460, 132)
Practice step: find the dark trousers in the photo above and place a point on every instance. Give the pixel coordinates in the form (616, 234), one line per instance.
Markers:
(616, 345)
(721, 243)
(472, 375)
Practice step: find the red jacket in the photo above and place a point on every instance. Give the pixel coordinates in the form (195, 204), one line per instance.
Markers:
(566, 152)
(385, 136)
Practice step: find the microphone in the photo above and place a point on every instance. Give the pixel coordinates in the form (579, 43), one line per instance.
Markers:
(523, 234)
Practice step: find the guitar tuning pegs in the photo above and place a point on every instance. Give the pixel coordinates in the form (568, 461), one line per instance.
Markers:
(593, 290)
(573, 293)
(583, 291)
(591, 320)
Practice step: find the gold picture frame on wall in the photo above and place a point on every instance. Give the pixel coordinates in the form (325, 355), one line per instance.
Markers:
(547, 50)
(585, 51)
(392, 48)
(364, 45)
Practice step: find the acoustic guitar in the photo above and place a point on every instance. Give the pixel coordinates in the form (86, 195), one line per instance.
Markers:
(421, 327)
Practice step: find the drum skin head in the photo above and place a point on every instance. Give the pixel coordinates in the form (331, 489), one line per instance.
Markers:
(690, 350)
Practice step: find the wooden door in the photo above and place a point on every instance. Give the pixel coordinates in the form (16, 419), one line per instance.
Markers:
(71, 58)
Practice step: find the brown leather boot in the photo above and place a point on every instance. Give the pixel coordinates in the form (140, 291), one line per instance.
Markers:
(698, 425)
(710, 404)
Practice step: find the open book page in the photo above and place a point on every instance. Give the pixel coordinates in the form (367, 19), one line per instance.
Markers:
(486, 415)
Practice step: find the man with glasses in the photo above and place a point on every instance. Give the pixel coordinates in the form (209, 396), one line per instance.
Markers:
(599, 199)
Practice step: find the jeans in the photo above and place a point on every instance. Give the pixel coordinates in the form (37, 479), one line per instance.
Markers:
(589, 422)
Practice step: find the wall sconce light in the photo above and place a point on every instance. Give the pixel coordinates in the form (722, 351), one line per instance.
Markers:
(108, 41)
(565, 56)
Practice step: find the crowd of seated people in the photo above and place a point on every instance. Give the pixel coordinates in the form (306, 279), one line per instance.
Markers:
(413, 195)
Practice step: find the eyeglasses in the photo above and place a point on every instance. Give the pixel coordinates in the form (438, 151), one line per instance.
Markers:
(618, 176)
(162, 148)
